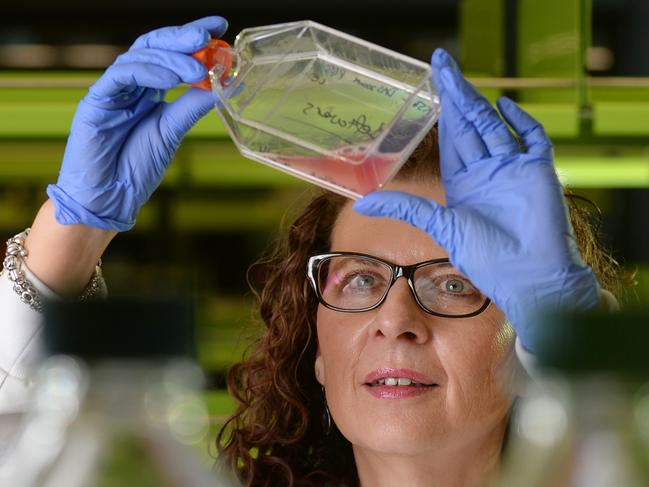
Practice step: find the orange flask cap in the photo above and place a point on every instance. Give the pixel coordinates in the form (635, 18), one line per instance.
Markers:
(216, 52)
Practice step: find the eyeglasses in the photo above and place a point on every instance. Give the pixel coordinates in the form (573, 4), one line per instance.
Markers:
(353, 283)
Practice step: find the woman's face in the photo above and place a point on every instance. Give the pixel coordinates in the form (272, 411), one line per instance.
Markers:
(465, 359)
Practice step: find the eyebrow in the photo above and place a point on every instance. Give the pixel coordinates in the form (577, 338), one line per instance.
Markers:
(359, 258)
(377, 261)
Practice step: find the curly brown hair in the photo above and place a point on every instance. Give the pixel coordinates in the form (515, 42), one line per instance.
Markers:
(276, 435)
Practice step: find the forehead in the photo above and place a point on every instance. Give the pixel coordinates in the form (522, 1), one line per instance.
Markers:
(387, 238)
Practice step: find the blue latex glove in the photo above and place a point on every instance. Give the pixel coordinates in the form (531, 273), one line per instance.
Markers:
(505, 224)
(124, 135)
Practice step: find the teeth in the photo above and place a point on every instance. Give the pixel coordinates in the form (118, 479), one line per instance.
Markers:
(395, 381)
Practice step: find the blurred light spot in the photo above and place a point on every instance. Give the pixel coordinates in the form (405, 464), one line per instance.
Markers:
(599, 58)
(543, 420)
(602, 462)
(183, 375)
(28, 56)
(156, 402)
(19, 55)
(641, 412)
(89, 55)
(188, 419)
(63, 384)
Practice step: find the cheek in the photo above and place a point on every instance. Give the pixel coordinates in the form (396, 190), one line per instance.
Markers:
(341, 342)
(491, 341)
(479, 365)
(335, 341)
(325, 326)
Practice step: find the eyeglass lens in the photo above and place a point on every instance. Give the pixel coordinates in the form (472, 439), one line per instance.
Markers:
(356, 283)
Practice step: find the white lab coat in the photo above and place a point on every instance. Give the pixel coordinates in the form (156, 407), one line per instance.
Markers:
(20, 330)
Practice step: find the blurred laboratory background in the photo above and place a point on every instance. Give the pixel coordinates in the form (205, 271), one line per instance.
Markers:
(579, 66)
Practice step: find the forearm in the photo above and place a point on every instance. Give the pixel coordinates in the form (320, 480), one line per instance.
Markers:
(64, 257)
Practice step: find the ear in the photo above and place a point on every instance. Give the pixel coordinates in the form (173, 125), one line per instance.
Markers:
(319, 367)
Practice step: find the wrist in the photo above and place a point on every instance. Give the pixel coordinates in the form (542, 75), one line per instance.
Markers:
(68, 211)
(64, 257)
(576, 291)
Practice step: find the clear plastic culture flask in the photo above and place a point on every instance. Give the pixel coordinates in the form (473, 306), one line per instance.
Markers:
(324, 106)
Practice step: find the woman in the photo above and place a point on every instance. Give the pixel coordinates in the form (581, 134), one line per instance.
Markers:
(308, 392)
(362, 377)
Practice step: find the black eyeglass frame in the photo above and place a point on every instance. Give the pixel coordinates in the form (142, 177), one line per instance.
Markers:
(407, 271)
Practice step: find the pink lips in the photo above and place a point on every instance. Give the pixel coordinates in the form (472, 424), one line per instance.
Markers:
(398, 392)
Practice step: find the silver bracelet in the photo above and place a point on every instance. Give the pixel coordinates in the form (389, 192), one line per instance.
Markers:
(13, 262)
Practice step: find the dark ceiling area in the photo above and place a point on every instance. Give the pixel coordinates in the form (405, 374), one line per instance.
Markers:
(413, 27)
(409, 26)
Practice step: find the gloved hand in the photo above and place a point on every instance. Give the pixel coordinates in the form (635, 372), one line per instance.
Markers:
(505, 224)
(124, 135)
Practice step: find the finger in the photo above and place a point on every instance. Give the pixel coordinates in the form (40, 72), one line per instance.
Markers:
(186, 67)
(477, 110)
(138, 69)
(440, 60)
(180, 39)
(527, 127)
(497, 142)
(187, 38)
(467, 141)
(214, 24)
(429, 216)
(450, 160)
(122, 79)
(182, 114)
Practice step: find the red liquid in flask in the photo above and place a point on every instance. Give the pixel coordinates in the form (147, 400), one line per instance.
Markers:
(362, 178)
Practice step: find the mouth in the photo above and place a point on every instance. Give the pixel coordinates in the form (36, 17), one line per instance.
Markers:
(387, 383)
(397, 382)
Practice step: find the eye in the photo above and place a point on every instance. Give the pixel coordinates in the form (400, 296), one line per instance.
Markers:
(441, 288)
(448, 284)
(455, 286)
(360, 282)
(353, 277)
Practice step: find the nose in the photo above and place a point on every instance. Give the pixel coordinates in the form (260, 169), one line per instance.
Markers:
(400, 317)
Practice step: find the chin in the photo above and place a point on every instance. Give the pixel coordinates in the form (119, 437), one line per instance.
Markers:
(397, 438)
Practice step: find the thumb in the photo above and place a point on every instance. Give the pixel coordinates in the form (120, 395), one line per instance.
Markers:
(182, 114)
(429, 216)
